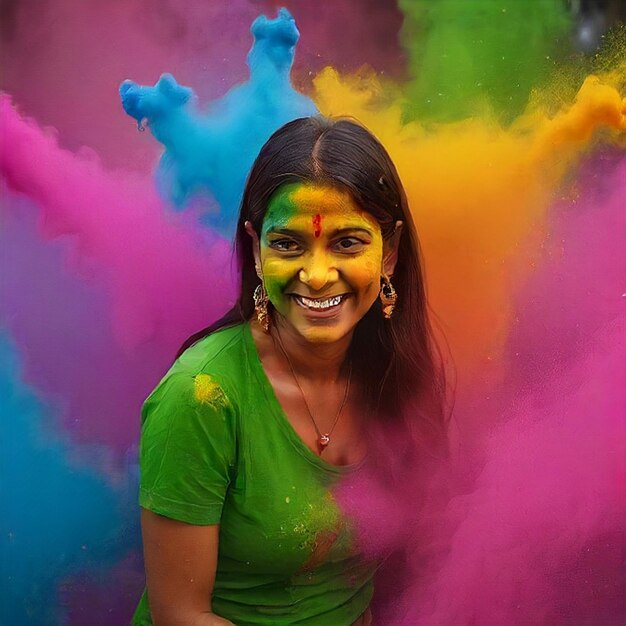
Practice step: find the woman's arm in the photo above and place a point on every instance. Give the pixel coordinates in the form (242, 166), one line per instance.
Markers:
(180, 560)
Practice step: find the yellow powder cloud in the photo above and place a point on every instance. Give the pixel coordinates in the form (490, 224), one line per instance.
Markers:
(478, 191)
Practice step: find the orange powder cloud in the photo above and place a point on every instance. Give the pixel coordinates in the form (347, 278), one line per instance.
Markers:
(479, 192)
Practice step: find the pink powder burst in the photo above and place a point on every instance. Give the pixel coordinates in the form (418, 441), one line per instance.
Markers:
(159, 277)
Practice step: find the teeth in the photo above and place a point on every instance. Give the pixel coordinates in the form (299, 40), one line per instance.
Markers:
(320, 304)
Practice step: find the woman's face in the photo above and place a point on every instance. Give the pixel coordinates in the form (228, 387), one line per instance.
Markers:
(321, 258)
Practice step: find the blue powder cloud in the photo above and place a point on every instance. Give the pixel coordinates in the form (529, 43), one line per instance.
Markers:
(208, 154)
(59, 516)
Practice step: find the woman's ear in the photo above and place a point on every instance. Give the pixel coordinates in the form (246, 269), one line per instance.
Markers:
(390, 250)
(256, 248)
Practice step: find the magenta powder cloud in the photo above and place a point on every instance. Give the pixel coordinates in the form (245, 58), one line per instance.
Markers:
(532, 532)
(63, 58)
(158, 276)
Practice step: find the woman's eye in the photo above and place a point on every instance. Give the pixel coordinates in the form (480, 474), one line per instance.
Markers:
(285, 245)
(349, 244)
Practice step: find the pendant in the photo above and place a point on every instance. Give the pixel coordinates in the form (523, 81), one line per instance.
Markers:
(322, 442)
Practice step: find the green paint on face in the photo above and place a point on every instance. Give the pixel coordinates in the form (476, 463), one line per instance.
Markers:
(280, 213)
(280, 210)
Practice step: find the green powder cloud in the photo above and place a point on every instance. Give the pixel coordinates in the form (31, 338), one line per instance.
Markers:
(468, 56)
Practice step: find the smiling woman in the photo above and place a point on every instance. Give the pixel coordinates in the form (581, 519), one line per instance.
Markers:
(267, 411)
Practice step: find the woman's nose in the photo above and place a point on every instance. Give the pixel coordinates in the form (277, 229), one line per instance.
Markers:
(318, 272)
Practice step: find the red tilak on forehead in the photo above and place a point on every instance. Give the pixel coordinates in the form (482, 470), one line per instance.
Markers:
(317, 225)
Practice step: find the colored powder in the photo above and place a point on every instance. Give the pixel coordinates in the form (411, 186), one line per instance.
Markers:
(531, 529)
(59, 515)
(335, 32)
(138, 251)
(148, 272)
(317, 225)
(63, 58)
(60, 58)
(466, 58)
(477, 192)
(526, 291)
(538, 537)
(481, 197)
(579, 291)
(70, 354)
(104, 598)
(208, 391)
(213, 152)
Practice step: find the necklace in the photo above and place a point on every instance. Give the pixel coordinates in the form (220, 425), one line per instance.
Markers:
(322, 439)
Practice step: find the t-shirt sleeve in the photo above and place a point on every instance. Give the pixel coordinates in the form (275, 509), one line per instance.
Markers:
(187, 452)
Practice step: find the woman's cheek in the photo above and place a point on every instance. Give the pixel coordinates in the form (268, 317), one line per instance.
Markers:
(366, 269)
(277, 274)
(364, 276)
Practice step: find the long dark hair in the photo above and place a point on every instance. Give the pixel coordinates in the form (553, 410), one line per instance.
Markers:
(396, 361)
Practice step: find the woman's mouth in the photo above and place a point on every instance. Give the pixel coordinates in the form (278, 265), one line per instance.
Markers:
(320, 304)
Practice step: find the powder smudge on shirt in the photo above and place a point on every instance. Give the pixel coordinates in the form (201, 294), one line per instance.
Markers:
(207, 391)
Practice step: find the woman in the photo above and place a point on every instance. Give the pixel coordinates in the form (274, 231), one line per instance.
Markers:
(267, 410)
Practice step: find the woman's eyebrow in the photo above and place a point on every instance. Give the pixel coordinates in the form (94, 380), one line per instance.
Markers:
(298, 234)
(352, 229)
(284, 231)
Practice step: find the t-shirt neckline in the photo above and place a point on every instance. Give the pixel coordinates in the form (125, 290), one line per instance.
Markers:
(255, 360)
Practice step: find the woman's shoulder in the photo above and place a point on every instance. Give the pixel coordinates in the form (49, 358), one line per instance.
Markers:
(211, 368)
(221, 351)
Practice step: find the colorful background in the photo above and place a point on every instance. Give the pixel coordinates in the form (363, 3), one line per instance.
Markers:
(506, 120)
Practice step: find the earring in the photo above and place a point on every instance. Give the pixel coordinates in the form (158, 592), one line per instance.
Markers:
(260, 306)
(388, 297)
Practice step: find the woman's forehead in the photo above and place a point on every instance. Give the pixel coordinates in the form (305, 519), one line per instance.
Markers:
(300, 203)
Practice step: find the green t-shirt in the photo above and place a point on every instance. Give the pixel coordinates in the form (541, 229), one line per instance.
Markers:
(217, 448)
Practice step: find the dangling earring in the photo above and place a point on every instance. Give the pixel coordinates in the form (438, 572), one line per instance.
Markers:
(260, 306)
(388, 297)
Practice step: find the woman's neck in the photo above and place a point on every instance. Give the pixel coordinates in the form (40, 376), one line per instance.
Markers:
(316, 362)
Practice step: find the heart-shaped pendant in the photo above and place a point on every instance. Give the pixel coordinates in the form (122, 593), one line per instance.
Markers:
(322, 442)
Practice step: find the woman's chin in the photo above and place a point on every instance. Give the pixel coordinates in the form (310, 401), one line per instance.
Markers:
(323, 331)
(321, 327)
(323, 335)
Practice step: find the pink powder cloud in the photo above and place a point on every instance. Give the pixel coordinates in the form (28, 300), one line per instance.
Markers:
(146, 278)
(532, 531)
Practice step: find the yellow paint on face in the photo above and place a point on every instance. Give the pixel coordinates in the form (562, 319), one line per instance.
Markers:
(317, 242)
